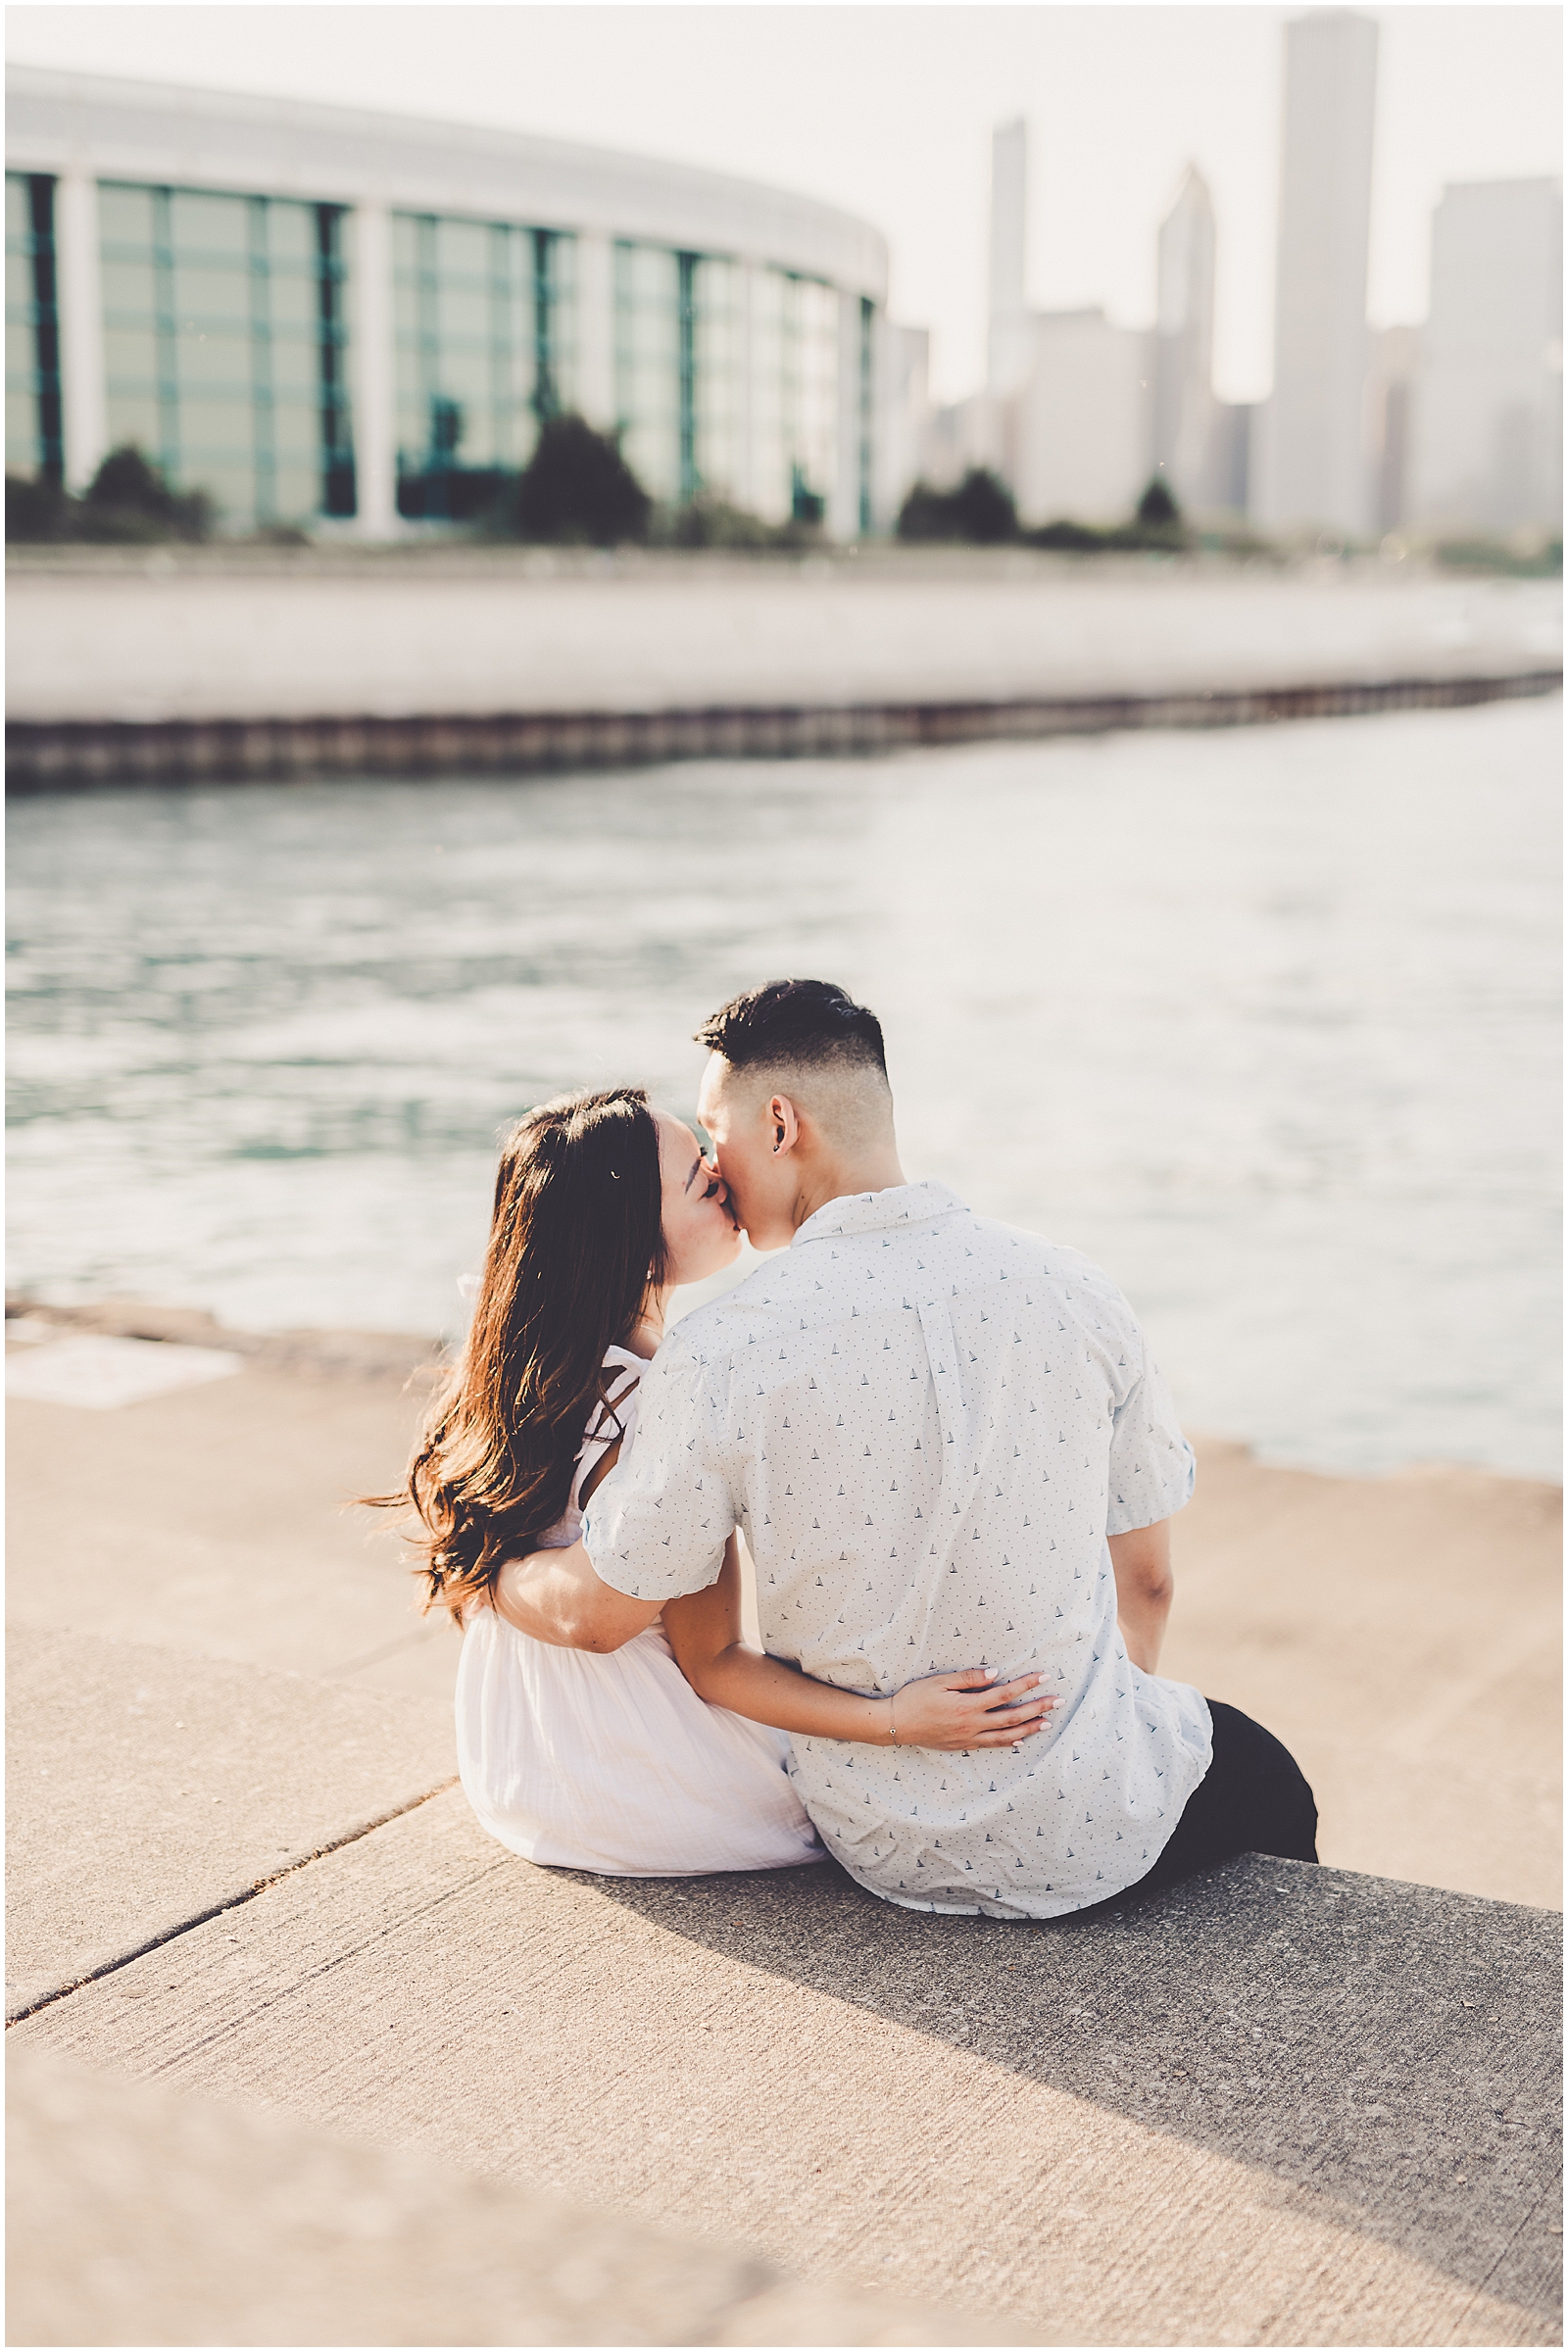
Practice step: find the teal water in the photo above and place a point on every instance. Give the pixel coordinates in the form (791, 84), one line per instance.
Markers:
(1265, 1021)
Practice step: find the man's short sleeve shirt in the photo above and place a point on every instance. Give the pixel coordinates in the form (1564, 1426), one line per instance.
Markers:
(927, 1425)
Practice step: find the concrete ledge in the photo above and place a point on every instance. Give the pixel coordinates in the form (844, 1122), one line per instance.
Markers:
(135, 2218)
(264, 1561)
(1279, 2105)
(59, 755)
(402, 1360)
(148, 1792)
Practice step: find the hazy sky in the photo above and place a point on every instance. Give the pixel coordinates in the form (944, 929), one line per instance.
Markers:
(887, 110)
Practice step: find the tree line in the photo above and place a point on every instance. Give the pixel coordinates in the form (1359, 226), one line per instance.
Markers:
(575, 490)
(981, 513)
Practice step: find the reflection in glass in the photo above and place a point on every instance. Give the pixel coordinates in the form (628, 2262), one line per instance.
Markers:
(795, 360)
(225, 347)
(678, 365)
(483, 318)
(34, 443)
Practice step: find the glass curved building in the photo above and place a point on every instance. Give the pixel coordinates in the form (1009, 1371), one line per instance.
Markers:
(311, 313)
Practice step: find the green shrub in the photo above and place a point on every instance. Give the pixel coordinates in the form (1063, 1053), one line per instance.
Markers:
(127, 501)
(980, 512)
(576, 488)
(709, 521)
(34, 508)
(1068, 538)
(1523, 557)
(1156, 528)
(1158, 508)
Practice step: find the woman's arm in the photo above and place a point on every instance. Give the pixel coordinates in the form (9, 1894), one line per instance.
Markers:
(555, 1597)
(952, 1711)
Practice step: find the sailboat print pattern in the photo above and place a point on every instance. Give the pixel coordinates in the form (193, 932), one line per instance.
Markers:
(926, 1425)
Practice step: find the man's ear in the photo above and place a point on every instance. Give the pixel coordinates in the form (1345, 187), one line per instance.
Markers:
(784, 1126)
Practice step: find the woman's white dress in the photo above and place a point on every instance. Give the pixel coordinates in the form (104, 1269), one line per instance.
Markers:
(613, 1764)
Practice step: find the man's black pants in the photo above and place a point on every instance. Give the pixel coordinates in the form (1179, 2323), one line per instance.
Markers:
(1253, 1800)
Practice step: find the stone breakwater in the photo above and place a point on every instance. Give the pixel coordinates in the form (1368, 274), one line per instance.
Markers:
(235, 664)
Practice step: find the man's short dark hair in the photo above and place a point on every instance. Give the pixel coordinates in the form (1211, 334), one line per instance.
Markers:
(808, 1023)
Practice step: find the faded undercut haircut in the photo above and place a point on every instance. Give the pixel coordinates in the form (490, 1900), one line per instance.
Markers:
(799, 1025)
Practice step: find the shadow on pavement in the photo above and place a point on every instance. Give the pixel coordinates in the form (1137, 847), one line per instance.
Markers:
(1392, 2049)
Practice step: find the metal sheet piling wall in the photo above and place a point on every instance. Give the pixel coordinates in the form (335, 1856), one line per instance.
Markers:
(71, 755)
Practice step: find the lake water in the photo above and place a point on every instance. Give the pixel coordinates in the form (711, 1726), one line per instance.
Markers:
(1266, 1022)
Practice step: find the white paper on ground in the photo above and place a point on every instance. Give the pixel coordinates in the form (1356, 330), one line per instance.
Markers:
(92, 1369)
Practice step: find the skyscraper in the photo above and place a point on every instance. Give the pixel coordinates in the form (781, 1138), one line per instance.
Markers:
(1487, 403)
(1396, 355)
(1315, 467)
(906, 411)
(1079, 440)
(1065, 415)
(1010, 339)
(1184, 345)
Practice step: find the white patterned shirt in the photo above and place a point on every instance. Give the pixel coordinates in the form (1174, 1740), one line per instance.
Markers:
(926, 1425)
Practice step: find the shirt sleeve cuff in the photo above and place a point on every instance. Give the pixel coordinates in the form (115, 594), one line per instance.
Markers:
(1157, 1494)
(645, 1580)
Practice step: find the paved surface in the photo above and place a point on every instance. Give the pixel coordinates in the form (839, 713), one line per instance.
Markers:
(1279, 2106)
(1404, 1637)
(219, 1520)
(1340, 1611)
(145, 1787)
(217, 637)
(140, 2218)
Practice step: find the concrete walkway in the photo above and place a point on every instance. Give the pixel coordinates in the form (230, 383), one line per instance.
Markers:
(142, 2218)
(1282, 2106)
(152, 1789)
(1277, 2106)
(233, 634)
(1340, 1611)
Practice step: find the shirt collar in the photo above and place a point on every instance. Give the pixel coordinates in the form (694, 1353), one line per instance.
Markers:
(877, 1212)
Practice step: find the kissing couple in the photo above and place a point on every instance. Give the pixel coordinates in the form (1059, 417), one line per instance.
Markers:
(953, 1465)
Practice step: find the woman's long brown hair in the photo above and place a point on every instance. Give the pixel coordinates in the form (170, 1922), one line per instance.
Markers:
(575, 1241)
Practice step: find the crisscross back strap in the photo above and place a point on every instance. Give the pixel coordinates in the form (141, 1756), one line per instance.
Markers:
(606, 1433)
(606, 1422)
(600, 1471)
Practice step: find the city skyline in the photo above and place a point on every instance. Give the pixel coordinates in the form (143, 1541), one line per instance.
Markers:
(1464, 93)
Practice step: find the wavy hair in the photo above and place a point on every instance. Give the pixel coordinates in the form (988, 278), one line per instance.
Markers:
(575, 1244)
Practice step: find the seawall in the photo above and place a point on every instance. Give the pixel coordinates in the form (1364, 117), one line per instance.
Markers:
(129, 666)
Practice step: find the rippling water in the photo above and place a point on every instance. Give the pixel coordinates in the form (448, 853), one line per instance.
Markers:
(1264, 1021)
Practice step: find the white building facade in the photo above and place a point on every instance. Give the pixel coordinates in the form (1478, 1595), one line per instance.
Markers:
(1485, 441)
(314, 313)
(1315, 469)
(1080, 426)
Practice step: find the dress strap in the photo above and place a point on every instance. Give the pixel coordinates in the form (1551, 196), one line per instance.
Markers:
(607, 1410)
(588, 1487)
(599, 1450)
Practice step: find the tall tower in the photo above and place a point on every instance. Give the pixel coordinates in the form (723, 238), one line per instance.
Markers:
(1488, 399)
(1184, 345)
(1315, 467)
(1007, 343)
